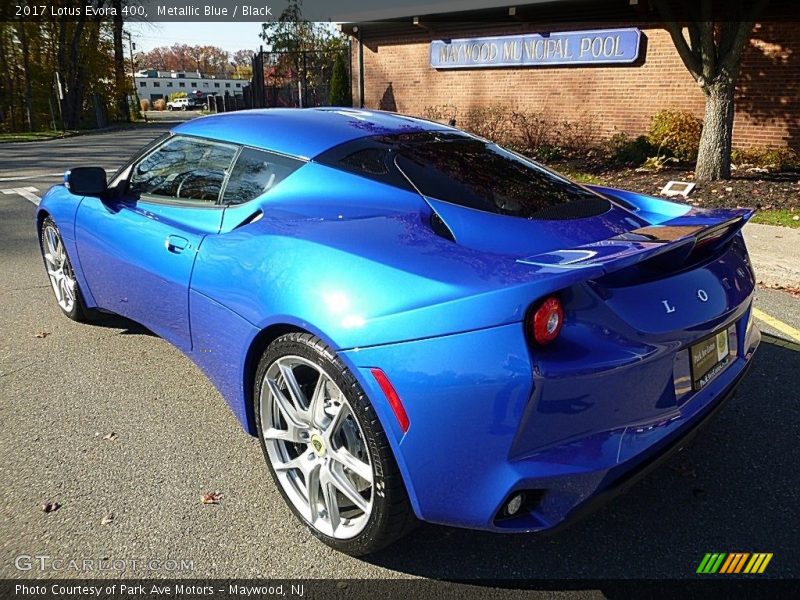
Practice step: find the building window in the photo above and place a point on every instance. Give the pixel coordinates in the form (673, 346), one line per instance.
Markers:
(238, 85)
(169, 84)
(227, 85)
(205, 84)
(194, 84)
(156, 84)
(182, 84)
(142, 84)
(216, 85)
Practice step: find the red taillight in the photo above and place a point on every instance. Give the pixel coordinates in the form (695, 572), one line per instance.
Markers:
(547, 320)
(393, 398)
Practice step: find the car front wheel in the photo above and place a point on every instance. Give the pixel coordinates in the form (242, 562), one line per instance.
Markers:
(60, 272)
(326, 449)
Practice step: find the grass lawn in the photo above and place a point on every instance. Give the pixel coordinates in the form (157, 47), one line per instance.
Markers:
(579, 176)
(31, 136)
(787, 218)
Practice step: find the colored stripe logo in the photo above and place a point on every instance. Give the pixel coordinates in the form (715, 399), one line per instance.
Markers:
(734, 562)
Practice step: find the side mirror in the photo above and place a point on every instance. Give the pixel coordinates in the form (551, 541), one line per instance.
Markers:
(86, 181)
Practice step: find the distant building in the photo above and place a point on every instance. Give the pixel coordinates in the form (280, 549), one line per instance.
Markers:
(154, 85)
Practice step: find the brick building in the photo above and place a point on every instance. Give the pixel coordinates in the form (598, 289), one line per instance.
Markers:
(392, 70)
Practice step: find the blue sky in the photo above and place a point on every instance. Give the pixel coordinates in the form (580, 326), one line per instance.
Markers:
(228, 36)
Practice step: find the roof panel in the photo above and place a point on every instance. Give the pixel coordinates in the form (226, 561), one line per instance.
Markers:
(304, 132)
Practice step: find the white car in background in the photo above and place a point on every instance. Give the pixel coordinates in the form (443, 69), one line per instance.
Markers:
(182, 104)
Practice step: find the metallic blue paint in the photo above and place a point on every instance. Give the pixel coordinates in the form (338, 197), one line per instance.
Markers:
(304, 133)
(357, 263)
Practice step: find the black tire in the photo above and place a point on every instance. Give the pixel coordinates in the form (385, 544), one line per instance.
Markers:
(79, 311)
(392, 516)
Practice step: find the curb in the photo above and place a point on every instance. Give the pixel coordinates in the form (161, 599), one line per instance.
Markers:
(775, 254)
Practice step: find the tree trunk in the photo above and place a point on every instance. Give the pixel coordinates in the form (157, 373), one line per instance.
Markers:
(714, 155)
(26, 69)
(119, 66)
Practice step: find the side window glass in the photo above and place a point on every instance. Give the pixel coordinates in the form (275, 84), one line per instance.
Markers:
(255, 173)
(369, 161)
(183, 169)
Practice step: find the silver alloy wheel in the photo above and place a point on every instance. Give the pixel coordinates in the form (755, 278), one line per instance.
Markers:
(58, 268)
(316, 447)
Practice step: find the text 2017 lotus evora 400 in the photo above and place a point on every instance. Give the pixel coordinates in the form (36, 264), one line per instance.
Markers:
(416, 323)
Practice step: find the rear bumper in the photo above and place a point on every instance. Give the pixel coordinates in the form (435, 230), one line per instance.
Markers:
(475, 440)
(660, 455)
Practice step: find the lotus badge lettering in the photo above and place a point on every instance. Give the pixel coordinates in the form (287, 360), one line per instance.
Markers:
(416, 324)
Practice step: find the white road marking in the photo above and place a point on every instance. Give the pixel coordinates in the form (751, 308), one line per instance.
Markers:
(25, 192)
(48, 175)
(23, 177)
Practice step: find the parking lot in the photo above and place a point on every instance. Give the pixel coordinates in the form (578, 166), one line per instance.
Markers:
(115, 425)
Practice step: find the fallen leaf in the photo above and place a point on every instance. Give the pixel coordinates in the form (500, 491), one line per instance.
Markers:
(42, 334)
(684, 471)
(211, 498)
(107, 519)
(111, 436)
(49, 507)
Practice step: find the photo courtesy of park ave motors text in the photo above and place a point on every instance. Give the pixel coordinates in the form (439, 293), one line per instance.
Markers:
(399, 298)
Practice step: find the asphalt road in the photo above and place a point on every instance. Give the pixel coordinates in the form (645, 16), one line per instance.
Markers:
(734, 489)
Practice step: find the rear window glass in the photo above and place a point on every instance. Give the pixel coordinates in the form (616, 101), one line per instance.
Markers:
(466, 171)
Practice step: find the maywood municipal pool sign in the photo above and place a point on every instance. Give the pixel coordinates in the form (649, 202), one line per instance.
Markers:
(564, 48)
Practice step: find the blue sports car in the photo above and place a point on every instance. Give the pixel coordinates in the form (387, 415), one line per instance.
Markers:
(417, 323)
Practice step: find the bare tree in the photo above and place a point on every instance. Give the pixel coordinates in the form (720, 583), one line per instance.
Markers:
(713, 55)
(26, 69)
(121, 87)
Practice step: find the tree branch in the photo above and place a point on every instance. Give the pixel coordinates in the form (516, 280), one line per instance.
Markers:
(708, 49)
(729, 62)
(690, 60)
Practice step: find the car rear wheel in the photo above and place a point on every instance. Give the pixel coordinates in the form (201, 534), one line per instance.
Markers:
(326, 449)
(60, 272)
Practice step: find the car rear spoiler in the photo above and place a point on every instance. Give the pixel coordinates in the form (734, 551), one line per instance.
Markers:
(670, 245)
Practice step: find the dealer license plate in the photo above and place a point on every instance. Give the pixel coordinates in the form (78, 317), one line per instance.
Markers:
(709, 358)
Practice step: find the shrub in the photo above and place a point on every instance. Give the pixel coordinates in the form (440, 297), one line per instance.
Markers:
(577, 135)
(144, 103)
(677, 133)
(626, 151)
(657, 163)
(339, 90)
(160, 104)
(442, 113)
(489, 122)
(532, 130)
(548, 152)
(176, 95)
(771, 159)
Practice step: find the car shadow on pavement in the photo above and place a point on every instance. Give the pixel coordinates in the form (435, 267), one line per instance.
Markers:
(126, 326)
(733, 489)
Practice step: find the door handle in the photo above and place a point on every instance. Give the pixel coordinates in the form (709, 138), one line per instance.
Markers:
(176, 244)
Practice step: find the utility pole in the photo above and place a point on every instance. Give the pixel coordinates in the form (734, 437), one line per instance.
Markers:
(131, 48)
